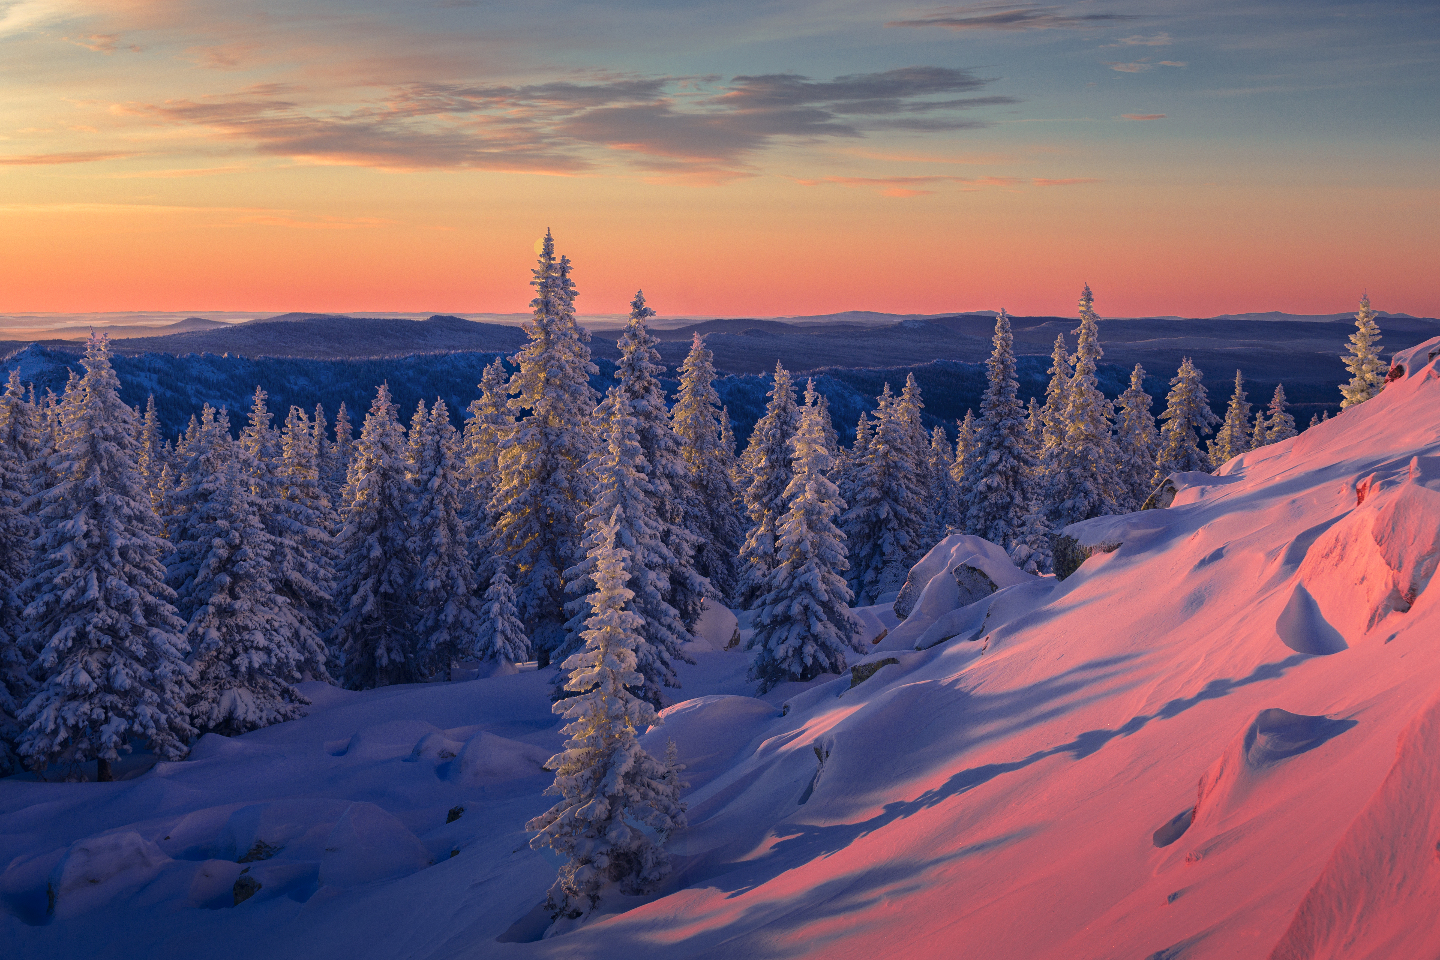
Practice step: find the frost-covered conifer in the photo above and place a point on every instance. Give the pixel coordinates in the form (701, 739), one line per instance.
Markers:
(206, 446)
(803, 625)
(111, 655)
(638, 372)
(338, 458)
(624, 508)
(1186, 418)
(1081, 479)
(1362, 359)
(1057, 399)
(303, 559)
(618, 805)
(17, 531)
(241, 631)
(445, 596)
(489, 423)
(1233, 437)
(1136, 438)
(1031, 550)
(884, 526)
(939, 496)
(1001, 465)
(149, 458)
(1280, 425)
(959, 508)
(712, 502)
(1035, 426)
(766, 470)
(542, 490)
(501, 636)
(376, 628)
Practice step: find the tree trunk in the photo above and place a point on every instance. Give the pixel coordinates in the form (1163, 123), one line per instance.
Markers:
(102, 771)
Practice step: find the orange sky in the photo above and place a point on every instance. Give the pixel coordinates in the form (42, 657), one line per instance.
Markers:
(148, 164)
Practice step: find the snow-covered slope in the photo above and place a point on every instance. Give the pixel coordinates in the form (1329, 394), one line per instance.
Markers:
(1218, 740)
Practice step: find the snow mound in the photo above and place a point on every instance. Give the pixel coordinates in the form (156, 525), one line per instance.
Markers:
(368, 844)
(1385, 871)
(716, 628)
(959, 571)
(1375, 562)
(298, 828)
(1417, 358)
(486, 756)
(392, 740)
(99, 869)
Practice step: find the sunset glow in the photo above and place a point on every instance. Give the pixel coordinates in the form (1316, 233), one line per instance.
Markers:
(1183, 158)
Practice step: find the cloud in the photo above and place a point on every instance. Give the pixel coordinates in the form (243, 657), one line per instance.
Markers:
(925, 184)
(102, 43)
(697, 127)
(1158, 40)
(1143, 64)
(48, 159)
(1011, 16)
(1142, 116)
(1066, 182)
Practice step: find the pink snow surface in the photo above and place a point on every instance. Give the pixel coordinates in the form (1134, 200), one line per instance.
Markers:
(1251, 679)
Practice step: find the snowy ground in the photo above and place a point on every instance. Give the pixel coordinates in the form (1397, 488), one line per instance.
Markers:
(997, 797)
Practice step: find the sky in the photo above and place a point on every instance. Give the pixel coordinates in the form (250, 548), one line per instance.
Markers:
(764, 158)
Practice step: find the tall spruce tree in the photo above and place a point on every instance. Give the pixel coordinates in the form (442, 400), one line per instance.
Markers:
(959, 505)
(1362, 359)
(1136, 438)
(241, 631)
(638, 372)
(338, 456)
(542, 490)
(111, 654)
(490, 421)
(938, 495)
(1233, 437)
(1057, 398)
(712, 498)
(766, 471)
(1187, 417)
(1279, 425)
(884, 526)
(448, 607)
(375, 632)
(803, 626)
(1002, 465)
(303, 559)
(17, 532)
(618, 805)
(501, 636)
(1080, 463)
(624, 508)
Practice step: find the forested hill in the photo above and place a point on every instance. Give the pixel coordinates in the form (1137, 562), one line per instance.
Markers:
(182, 384)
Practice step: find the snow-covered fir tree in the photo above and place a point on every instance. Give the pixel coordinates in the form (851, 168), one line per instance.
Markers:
(501, 636)
(17, 532)
(542, 490)
(200, 455)
(624, 509)
(618, 805)
(1135, 439)
(375, 632)
(445, 596)
(885, 524)
(959, 505)
(303, 561)
(638, 372)
(1031, 550)
(803, 623)
(1233, 437)
(111, 653)
(1057, 398)
(766, 470)
(241, 632)
(337, 458)
(1001, 465)
(1187, 417)
(850, 463)
(712, 501)
(1279, 424)
(925, 527)
(489, 423)
(1362, 359)
(1035, 426)
(939, 497)
(1080, 463)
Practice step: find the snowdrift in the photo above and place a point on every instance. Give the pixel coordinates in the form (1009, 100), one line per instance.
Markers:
(1216, 739)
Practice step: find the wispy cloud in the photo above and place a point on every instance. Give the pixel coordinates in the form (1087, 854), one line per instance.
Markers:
(103, 43)
(666, 125)
(1143, 64)
(1157, 40)
(48, 159)
(1010, 16)
(921, 185)
(1142, 116)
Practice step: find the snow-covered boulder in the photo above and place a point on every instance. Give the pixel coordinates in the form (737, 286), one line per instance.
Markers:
(717, 629)
(369, 844)
(486, 756)
(96, 870)
(959, 571)
(1407, 363)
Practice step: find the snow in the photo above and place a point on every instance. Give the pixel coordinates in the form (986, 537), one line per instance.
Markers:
(995, 798)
